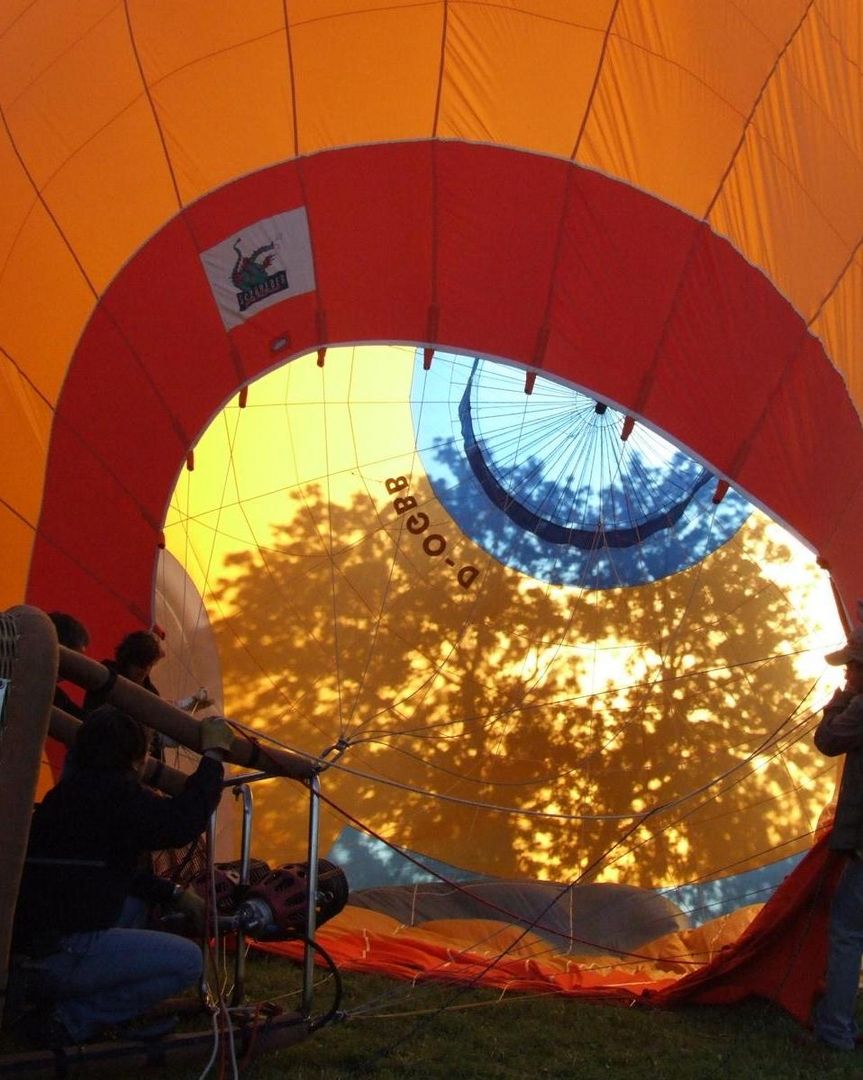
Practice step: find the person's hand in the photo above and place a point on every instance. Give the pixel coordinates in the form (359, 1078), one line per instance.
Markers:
(193, 907)
(216, 734)
(199, 700)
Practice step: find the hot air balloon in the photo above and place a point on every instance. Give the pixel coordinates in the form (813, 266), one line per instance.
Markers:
(471, 391)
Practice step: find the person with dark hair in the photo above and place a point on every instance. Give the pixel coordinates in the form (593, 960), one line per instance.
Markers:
(83, 860)
(135, 656)
(70, 632)
(73, 635)
(841, 732)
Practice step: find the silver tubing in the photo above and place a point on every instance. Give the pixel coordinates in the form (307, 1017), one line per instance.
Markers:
(204, 985)
(245, 778)
(311, 894)
(243, 792)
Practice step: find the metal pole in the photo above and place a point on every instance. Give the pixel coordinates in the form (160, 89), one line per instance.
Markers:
(311, 894)
(243, 792)
(206, 996)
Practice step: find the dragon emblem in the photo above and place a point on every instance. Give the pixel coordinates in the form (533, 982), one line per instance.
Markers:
(248, 272)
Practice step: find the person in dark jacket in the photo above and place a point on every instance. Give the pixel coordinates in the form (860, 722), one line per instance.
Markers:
(135, 656)
(841, 732)
(83, 860)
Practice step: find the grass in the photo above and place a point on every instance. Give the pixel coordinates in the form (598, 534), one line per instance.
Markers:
(433, 1030)
(393, 1029)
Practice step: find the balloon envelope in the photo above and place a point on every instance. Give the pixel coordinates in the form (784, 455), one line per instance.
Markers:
(655, 205)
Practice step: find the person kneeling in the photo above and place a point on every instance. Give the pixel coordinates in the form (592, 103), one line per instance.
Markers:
(84, 858)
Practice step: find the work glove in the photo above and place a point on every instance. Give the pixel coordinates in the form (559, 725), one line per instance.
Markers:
(199, 700)
(216, 734)
(193, 907)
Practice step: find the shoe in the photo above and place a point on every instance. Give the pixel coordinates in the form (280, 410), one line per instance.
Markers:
(808, 1040)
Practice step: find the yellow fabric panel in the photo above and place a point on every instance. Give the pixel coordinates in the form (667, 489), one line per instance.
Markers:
(505, 68)
(205, 72)
(369, 76)
(332, 621)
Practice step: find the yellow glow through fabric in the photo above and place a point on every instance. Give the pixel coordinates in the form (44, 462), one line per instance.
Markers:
(649, 735)
(116, 116)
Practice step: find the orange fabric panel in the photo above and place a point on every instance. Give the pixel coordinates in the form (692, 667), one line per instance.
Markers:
(837, 325)
(34, 41)
(114, 193)
(50, 121)
(205, 71)
(488, 952)
(798, 227)
(666, 107)
(25, 421)
(370, 75)
(42, 321)
(46, 779)
(504, 66)
(83, 125)
(172, 38)
(17, 536)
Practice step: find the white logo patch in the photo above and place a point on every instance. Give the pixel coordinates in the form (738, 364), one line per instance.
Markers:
(260, 265)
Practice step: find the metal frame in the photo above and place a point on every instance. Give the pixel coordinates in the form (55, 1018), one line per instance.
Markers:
(242, 790)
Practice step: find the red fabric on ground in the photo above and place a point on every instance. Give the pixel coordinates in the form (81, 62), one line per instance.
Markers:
(782, 956)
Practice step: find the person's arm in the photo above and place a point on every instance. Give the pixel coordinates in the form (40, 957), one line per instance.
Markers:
(841, 726)
(156, 822)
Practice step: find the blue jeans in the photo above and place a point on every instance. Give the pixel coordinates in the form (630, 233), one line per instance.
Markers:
(105, 977)
(834, 1014)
